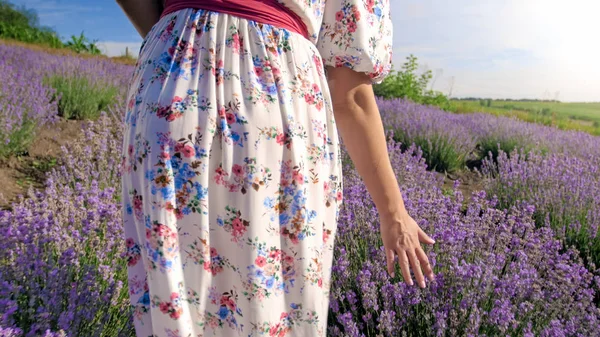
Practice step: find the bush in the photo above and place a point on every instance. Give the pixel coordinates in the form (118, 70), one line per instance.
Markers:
(407, 84)
(496, 274)
(564, 190)
(79, 98)
(445, 142)
(60, 249)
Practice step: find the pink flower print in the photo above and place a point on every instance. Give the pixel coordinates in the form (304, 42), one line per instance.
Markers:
(220, 64)
(315, 88)
(207, 265)
(236, 43)
(237, 170)
(137, 203)
(148, 233)
(171, 51)
(165, 155)
(339, 196)
(213, 252)
(228, 302)
(275, 254)
(280, 137)
(174, 296)
(129, 242)
(356, 14)
(179, 147)
(309, 98)
(276, 71)
(171, 117)
(238, 225)
(288, 260)
(220, 171)
(230, 118)
(160, 230)
(188, 151)
(130, 150)
(260, 261)
(339, 16)
(283, 315)
(351, 27)
(176, 313)
(222, 112)
(258, 71)
(370, 5)
(298, 177)
(213, 322)
(267, 63)
(273, 329)
(320, 282)
(319, 105)
(164, 307)
(325, 236)
(318, 65)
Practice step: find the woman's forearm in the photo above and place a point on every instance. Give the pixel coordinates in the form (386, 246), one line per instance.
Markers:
(361, 129)
(143, 14)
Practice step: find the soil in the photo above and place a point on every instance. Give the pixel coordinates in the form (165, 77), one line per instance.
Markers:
(470, 181)
(17, 173)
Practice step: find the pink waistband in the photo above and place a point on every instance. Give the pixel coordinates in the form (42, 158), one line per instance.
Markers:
(264, 11)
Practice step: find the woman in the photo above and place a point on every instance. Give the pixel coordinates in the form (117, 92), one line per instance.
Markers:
(232, 176)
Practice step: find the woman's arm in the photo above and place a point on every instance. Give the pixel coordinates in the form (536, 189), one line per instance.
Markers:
(359, 124)
(143, 14)
(360, 127)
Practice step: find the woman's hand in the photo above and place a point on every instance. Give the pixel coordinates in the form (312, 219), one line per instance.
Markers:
(401, 235)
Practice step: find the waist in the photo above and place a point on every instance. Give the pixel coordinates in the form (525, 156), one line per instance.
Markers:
(268, 12)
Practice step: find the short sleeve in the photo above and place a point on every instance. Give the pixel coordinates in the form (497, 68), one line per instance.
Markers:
(357, 34)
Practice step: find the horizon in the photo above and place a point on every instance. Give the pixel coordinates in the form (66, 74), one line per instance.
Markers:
(491, 49)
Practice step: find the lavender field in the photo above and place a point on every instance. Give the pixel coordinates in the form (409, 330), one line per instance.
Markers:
(517, 258)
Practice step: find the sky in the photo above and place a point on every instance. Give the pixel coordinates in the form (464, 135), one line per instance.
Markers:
(540, 49)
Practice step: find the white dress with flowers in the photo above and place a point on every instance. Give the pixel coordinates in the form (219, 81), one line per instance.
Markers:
(231, 164)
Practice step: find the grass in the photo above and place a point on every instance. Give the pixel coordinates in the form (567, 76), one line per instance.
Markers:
(79, 98)
(566, 116)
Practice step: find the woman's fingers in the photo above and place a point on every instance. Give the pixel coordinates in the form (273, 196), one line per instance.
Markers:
(425, 265)
(404, 265)
(389, 253)
(416, 267)
(423, 237)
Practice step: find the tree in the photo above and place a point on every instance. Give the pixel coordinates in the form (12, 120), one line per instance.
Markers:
(407, 84)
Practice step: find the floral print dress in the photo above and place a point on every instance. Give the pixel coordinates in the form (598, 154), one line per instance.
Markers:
(231, 163)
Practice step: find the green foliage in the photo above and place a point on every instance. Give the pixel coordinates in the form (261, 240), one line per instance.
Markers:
(409, 85)
(439, 151)
(565, 116)
(82, 45)
(22, 24)
(79, 98)
(20, 139)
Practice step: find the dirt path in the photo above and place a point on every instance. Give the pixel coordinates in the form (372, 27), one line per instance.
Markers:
(18, 173)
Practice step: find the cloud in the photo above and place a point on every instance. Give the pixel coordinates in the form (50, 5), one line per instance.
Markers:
(114, 48)
(500, 49)
(53, 11)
